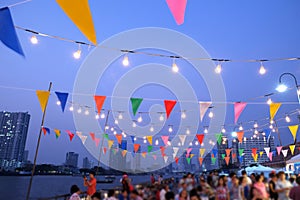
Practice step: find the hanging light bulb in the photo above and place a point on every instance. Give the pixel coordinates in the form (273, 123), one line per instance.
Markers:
(97, 116)
(116, 121)
(205, 130)
(169, 143)
(58, 103)
(125, 60)
(86, 112)
(271, 126)
(269, 101)
(210, 114)
(256, 131)
(272, 121)
(34, 39)
(71, 108)
(179, 144)
(112, 129)
(255, 125)
(161, 117)
(115, 132)
(106, 127)
(191, 144)
(120, 116)
(210, 142)
(156, 142)
(125, 135)
(79, 110)
(151, 129)
(102, 116)
(218, 69)
(196, 143)
(287, 119)
(223, 130)
(145, 141)
(144, 137)
(273, 130)
(254, 136)
(170, 129)
(262, 69)
(175, 68)
(140, 119)
(133, 124)
(77, 54)
(241, 127)
(187, 131)
(134, 139)
(183, 115)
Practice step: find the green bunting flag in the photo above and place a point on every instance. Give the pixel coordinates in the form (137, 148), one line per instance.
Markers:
(223, 156)
(241, 151)
(105, 136)
(135, 102)
(188, 160)
(219, 137)
(213, 161)
(150, 147)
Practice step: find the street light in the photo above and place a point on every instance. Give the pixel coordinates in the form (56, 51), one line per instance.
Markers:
(282, 87)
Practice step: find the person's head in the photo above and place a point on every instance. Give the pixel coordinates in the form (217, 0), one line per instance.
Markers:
(169, 196)
(259, 178)
(244, 173)
(232, 174)
(166, 187)
(298, 180)
(124, 193)
(194, 195)
(111, 193)
(96, 196)
(134, 194)
(183, 194)
(281, 176)
(92, 174)
(221, 182)
(242, 180)
(74, 189)
(202, 181)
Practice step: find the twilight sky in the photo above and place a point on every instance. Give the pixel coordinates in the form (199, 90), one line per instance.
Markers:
(226, 29)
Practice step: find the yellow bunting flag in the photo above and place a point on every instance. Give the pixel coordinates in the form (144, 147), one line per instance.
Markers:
(294, 130)
(255, 156)
(124, 153)
(192, 155)
(292, 148)
(110, 143)
(202, 152)
(261, 153)
(43, 97)
(149, 138)
(144, 154)
(79, 12)
(273, 109)
(57, 133)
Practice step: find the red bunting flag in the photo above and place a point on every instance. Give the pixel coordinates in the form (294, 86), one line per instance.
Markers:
(92, 136)
(200, 138)
(71, 135)
(238, 109)
(46, 130)
(233, 155)
(240, 136)
(177, 8)
(119, 138)
(162, 149)
(104, 150)
(254, 151)
(99, 102)
(227, 152)
(176, 160)
(169, 105)
(136, 147)
(227, 158)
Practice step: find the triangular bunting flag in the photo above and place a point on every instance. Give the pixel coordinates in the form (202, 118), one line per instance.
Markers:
(82, 138)
(154, 157)
(203, 108)
(279, 149)
(219, 137)
(97, 141)
(267, 150)
(213, 161)
(79, 12)
(175, 149)
(273, 109)
(292, 148)
(105, 135)
(104, 150)
(135, 102)
(124, 153)
(227, 152)
(43, 97)
(57, 133)
(201, 152)
(294, 130)
(241, 151)
(227, 158)
(255, 156)
(114, 151)
(254, 151)
(92, 136)
(132, 138)
(110, 143)
(166, 159)
(215, 152)
(136, 147)
(200, 138)
(8, 34)
(165, 139)
(177, 8)
(182, 138)
(119, 138)
(192, 155)
(150, 148)
(223, 156)
(241, 159)
(176, 160)
(240, 135)
(71, 135)
(45, 130)
(261, 153)
(144, 154)
(188, 150)
(99, 100)
(162, 149)
(270, 156)
(233, 155)
(238, 109)
(149, 138)
(200, 160)
(188, 160)
(169, 105)
(284, 152)
(78, 133)
(62, 98)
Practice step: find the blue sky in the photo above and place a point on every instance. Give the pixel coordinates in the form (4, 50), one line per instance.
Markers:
(226, 29)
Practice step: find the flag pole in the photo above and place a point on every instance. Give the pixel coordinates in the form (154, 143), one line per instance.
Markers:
(37, 147)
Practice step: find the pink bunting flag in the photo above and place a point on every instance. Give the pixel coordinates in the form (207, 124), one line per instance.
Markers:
(279, 150)
(203, 108)
(238, 109)
(92, 136)
(169, 105)
(270, 156)
(97, 141)
(165, 139)
(71, 135)
(154, 157)
(177, 8)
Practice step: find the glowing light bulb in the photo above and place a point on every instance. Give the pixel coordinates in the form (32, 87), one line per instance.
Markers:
(255, 125)
(241, 128)
(271, 126)
(223, 130)
(170, 129)
(97, 116)
(79, 110)
(273, 130)
(197, 143)
(218, 69)
(71, 108)
(262, 69)
(205, 130)
(255, 131)
(287, 119)
(234, 140)
(34, 39)
(175, 68)
(116, 121)
(183, 115)
(245, 139)
(210, 142)
(210, 114)
(145, 141)
(169, 143)
(58, 103)
(115, 132)
(281, 88)
(140, 119)
(179, 144)
(188, 131)
(144, 137)
(86, 112)
(120, 116)
(134, 139)
(106, 127)
(254, 136)
(133, 124)
(191, 144)
(156, 142)
(112, 129)
(77, 54)
(161, 118)
(125, 61)
(125, 135)
(102, 116)
(272, 122)
(151, 129)
(269, 101)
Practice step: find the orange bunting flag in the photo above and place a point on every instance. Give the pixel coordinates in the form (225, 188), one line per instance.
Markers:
(99, 100)
(97, 141)
(176, 160)
(43, 97)
(119, 138)
(200, 138)
(71, 135)
(136, 147)
(124, 153)
(240, 136)
(57, 133)
(255, 156)
(104, 150)
(292, 148)
(177, 8)
(200, 160)
(92, 136)
(110, 143)
(227, 152)
(294, 130)
(227, 158)
(144, 154)
(254, 151)
(162, 149)
(149, 138)
(169, 105)
(79, 12)
(273, 110)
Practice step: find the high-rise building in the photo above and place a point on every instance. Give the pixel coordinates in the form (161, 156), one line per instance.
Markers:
(116, 159)
(71, 159)
(13, 134)
(25, 156)
(86, 163)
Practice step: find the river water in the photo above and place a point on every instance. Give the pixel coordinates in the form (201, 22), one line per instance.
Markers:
(15, 187)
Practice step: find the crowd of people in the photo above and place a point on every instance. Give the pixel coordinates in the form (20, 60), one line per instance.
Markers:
(210, 186)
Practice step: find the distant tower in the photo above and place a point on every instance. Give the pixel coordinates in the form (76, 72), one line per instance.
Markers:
(71, 159)
(86, 164)
(13, 134)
